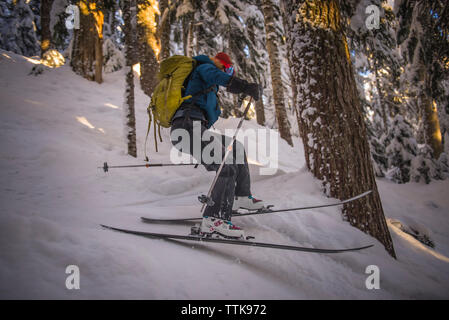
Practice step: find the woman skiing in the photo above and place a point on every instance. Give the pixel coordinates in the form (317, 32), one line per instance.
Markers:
(233, 188)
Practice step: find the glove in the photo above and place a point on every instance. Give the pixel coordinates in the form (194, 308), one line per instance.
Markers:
(237, 85)
(253, 90)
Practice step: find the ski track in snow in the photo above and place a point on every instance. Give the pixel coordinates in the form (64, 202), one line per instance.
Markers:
(57, 128)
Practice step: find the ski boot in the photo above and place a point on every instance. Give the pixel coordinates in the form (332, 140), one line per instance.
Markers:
(247, 202)
(219, 228)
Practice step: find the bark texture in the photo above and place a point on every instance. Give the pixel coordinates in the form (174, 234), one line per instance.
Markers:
(164, 29)
(260, 112)
(129, 91)
(45, 26)
(330, 115)
(87, 52)
(148, 44)
(275, 66)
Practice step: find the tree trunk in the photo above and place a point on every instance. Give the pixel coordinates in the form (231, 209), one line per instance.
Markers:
(289, 58)
(164, 29)
(432, 133)
(187, 28)
(129, 31)
(45, 26)
(148, 44)
(87, 53)
(260, 112)
(380, 96)
(334, 133)
(275, 66)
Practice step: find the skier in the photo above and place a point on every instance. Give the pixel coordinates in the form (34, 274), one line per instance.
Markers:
(232, 189)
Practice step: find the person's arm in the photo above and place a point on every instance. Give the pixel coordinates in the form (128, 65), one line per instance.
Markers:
(237, 85)
(213, 76)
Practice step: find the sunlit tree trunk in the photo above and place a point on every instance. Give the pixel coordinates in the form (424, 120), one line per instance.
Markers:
(129, 30)
(334, 133)
(380, 96)
(45, 26)
(164, 29)
(148, 44)
(188, 38)
(87, 52)
(275, 66)
(432, 132)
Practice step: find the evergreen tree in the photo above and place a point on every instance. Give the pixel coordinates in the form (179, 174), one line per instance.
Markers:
(148, 44)
(46, 38)
(164, 28)
(258, 54)
(423, 36)
(62, 37)
(401, 150)
(271, 14)
(113, 44)
(17, 28)
(129, 29)
(424, 167)
(87, 49)
(334, 133)
(377, 65)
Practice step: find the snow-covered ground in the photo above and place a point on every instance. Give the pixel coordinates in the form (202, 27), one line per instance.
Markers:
(57, 128)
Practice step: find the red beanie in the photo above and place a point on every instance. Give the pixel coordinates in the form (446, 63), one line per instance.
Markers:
(224, 59)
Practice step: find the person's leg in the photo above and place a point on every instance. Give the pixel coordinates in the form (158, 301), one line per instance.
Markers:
(243, 179)
(223, 192)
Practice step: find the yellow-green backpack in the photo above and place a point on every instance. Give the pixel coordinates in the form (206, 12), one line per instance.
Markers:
(167, 96)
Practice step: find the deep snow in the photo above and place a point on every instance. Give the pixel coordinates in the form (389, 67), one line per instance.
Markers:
(57, 128)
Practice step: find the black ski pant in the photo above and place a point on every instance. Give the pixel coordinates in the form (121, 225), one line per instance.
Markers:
(234, 178)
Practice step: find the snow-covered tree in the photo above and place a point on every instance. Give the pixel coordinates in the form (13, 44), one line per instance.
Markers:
(129, 7)
(62, 37)
(46, 38)
(334, 133)
(273, 40)
(424, 167)
(258, 54)
(17, 28)
(401, 150)
(377, 65)
(148, 43)
(164, 28)
(87, 49)
(423, 34)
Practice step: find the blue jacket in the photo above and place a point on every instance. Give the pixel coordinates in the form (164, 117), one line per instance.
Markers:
(205, 75)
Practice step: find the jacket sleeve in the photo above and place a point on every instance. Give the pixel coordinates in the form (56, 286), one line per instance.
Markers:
(213, 76)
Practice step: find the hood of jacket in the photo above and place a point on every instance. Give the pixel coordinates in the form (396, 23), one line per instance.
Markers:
(202, 58)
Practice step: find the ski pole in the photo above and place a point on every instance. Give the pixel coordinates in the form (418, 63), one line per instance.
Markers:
(106, 167)
(206, 199)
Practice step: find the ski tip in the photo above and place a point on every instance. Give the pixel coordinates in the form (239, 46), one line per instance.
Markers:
(367, 192)
(366, 247)
(357, 196)
(362, 194)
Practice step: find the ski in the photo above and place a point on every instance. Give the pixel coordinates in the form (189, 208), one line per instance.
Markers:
(234, 242)
(259, 212)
